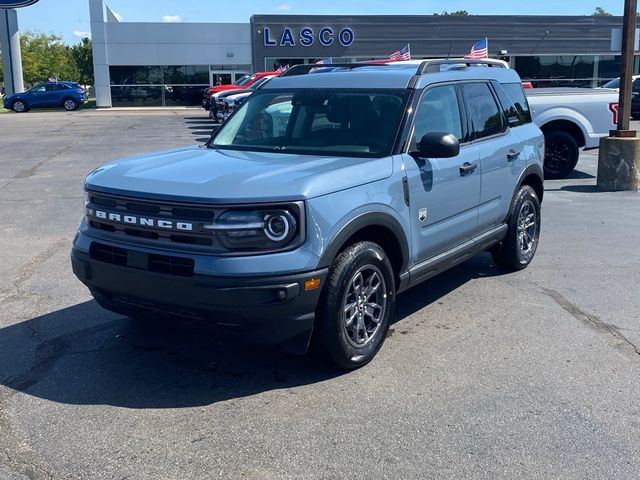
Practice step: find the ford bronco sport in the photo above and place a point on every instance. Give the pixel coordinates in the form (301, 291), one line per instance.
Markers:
(327, 193)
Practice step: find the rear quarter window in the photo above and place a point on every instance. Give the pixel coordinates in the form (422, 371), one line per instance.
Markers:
(517, 96)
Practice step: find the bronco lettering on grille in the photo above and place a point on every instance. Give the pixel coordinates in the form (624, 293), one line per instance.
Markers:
(140, 221)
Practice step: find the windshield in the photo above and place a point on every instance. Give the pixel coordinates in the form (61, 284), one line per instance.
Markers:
(615, 83)
(243, 80)
(315, 122)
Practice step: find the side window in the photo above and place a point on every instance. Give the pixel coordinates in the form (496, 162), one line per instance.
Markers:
(52, 87)
(636, 85)
(486, 118)
(511, 114)
(39, 88)
(439, 112)
(516, 93)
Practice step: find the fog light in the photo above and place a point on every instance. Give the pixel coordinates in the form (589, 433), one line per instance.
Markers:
(312, 284)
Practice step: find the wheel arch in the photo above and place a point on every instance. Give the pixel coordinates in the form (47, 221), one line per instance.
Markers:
(566, 126)
(533, 176)
(378, 227)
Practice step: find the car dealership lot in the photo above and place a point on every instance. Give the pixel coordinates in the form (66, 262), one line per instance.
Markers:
(484, 374)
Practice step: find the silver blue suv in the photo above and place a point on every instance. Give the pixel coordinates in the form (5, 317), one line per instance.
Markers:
(327, 193)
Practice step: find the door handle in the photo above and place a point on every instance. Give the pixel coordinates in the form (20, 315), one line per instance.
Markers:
(512, 155)
(467, 168)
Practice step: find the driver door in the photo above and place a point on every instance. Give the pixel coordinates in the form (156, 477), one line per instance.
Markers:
(37, 95)
(444, 192)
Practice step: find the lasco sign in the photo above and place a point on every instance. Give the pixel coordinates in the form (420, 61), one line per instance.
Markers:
(16, 3)
(306, 37)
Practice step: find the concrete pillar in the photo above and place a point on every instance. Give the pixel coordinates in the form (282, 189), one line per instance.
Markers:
(619, 163)
(11, 56)
(100, 59)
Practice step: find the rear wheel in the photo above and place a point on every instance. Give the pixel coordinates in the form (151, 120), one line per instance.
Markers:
(517, 249)
(561, 154)
(357, 306)
(70, 104)
(19, 106)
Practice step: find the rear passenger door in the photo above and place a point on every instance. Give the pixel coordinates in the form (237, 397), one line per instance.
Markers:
(443, 195)
(499, 152)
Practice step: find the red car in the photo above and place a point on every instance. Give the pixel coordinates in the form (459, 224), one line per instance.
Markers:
(244, 82)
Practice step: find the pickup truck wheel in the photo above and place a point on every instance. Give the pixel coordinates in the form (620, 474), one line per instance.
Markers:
(519, 246)
(561, 154)
(357, 306)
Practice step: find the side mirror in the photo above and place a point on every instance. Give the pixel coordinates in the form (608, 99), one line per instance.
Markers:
(438, 145)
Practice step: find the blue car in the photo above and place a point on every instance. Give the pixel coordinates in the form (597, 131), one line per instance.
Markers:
(68, 95)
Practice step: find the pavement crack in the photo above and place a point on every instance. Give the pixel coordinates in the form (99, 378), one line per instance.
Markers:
(28, 269)
(588, 318)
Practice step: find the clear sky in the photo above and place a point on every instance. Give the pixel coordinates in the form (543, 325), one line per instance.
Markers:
(70, 18)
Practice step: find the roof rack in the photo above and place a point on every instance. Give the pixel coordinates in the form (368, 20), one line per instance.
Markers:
(306, 68)
(427, 66)
(431, 66)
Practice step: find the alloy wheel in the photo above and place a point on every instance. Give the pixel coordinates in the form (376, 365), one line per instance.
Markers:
(364, 305)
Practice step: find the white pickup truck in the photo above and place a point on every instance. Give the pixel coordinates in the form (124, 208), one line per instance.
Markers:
(571, 118)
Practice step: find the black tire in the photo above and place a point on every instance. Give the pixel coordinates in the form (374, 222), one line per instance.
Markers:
(561, 154)
(338, 341)
(511, 253)
(19, 106)
(69, 104)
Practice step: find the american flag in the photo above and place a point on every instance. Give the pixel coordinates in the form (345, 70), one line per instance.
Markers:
(324, 61)
(403, 54)
(479, 50)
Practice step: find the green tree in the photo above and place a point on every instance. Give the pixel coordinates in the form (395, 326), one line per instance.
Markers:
(600, 12)
(82, 54)
(45, 55)
(457, 13)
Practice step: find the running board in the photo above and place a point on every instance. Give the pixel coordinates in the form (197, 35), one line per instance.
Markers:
(445, 260)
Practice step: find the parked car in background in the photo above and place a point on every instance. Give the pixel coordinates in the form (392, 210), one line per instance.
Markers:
(68, 95)
(244, 82)
(615, 83)
(218, 105)
(571, 118)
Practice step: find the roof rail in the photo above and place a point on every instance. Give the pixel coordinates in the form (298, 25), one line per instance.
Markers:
(431, 66)
(306, 68)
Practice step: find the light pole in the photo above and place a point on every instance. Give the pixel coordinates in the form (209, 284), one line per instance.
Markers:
(626, 70)
(619, 156)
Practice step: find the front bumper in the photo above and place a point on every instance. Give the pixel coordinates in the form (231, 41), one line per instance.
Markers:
(271, 310)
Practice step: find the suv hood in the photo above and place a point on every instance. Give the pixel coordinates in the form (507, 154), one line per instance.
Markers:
(200, 174)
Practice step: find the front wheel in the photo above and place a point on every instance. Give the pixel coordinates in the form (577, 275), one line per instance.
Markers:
(517, 249)
(561, 154)
(70, 104)
(19, 106)
(357, 306)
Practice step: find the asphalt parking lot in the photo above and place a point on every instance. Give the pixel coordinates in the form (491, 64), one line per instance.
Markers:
(485, 375)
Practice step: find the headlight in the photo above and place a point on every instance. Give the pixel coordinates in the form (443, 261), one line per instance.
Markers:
(269, 229)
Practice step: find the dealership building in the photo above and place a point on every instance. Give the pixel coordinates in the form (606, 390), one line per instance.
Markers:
(169, 64)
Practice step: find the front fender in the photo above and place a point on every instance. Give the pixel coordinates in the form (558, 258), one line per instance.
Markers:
(350, 225)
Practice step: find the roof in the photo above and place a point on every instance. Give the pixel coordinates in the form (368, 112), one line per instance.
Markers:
(394, 75)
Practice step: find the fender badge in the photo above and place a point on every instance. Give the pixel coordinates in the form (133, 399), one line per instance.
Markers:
(422, 214)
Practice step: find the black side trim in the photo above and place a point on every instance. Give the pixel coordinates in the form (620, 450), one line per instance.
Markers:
(371, 219)
(445, 260)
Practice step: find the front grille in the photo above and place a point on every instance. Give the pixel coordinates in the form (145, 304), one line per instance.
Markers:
(194, 215)
(167, 264)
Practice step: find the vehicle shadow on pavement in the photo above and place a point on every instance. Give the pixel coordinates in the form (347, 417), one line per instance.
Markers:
(84, 355)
